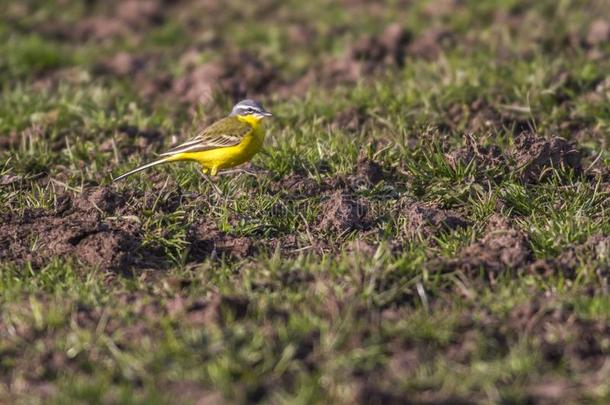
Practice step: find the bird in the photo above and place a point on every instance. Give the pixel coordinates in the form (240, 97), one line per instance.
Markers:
(227, 143)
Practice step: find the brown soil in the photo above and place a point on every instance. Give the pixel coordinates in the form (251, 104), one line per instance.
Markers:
(204, 311)
(556, 331)
(361, 247)
(83, 227)
(126, 19)
(133, 140)
(297, 186)
(567, 262)
(502, 247)
(206, 240)
(577, 341)
(430, 43)
(74, 228)
(140, 13)
(599, 33)
(368, 172)
(485, 156)
(481, 116)
(124, 64)
(351, 120)
(536, 156)
(341, 213)
(9, 141)
(427, 220)
(241, 74)
(237, 75)
(387, 48)
(366, 56)
(441, 8)
(7, 179)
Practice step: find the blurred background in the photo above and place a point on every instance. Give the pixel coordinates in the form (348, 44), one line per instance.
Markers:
(182, 51)
(450, 63)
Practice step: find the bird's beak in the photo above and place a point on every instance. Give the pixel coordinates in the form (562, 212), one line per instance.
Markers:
(267, 114)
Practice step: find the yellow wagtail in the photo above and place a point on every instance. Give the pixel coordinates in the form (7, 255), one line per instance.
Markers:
(226, 143)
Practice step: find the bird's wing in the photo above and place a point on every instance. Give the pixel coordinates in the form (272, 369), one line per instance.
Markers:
(226, 132)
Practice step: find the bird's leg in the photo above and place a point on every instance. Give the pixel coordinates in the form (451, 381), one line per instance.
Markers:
(239, 171)
(204, 174)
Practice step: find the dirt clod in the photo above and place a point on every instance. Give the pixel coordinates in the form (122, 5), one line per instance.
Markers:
(599, 32)
(484, 156)
(107, 248)
(349, 120)
(128, 19)
(441, 8)
(428, 220)
(502, 247)
(74, 228)
(198, 85)
(430, 43)
(140, 13)
(597, 247)
(297, 186)
(104, 198)
(386, 48)
(361, 247)
(123, 64)
(535, 156)
(215, 309)
(98, 28)
(575, 340)
(341, 213)
(368, 171)
(207, 241)
(237, 75)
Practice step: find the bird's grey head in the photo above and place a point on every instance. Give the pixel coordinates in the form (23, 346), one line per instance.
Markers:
(250, 107)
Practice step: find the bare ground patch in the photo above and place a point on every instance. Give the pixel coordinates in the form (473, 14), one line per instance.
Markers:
(97, 228)
(535, 156)
(341, 213)
(74, 228)
(207, 241)
(502, 247)
(428, 220)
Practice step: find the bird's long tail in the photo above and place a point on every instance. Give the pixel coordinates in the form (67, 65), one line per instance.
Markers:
(146, 166)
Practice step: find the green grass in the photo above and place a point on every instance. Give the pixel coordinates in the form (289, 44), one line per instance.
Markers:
(307, 314)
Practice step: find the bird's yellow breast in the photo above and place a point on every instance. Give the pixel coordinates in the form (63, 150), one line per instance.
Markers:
(231, 156)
